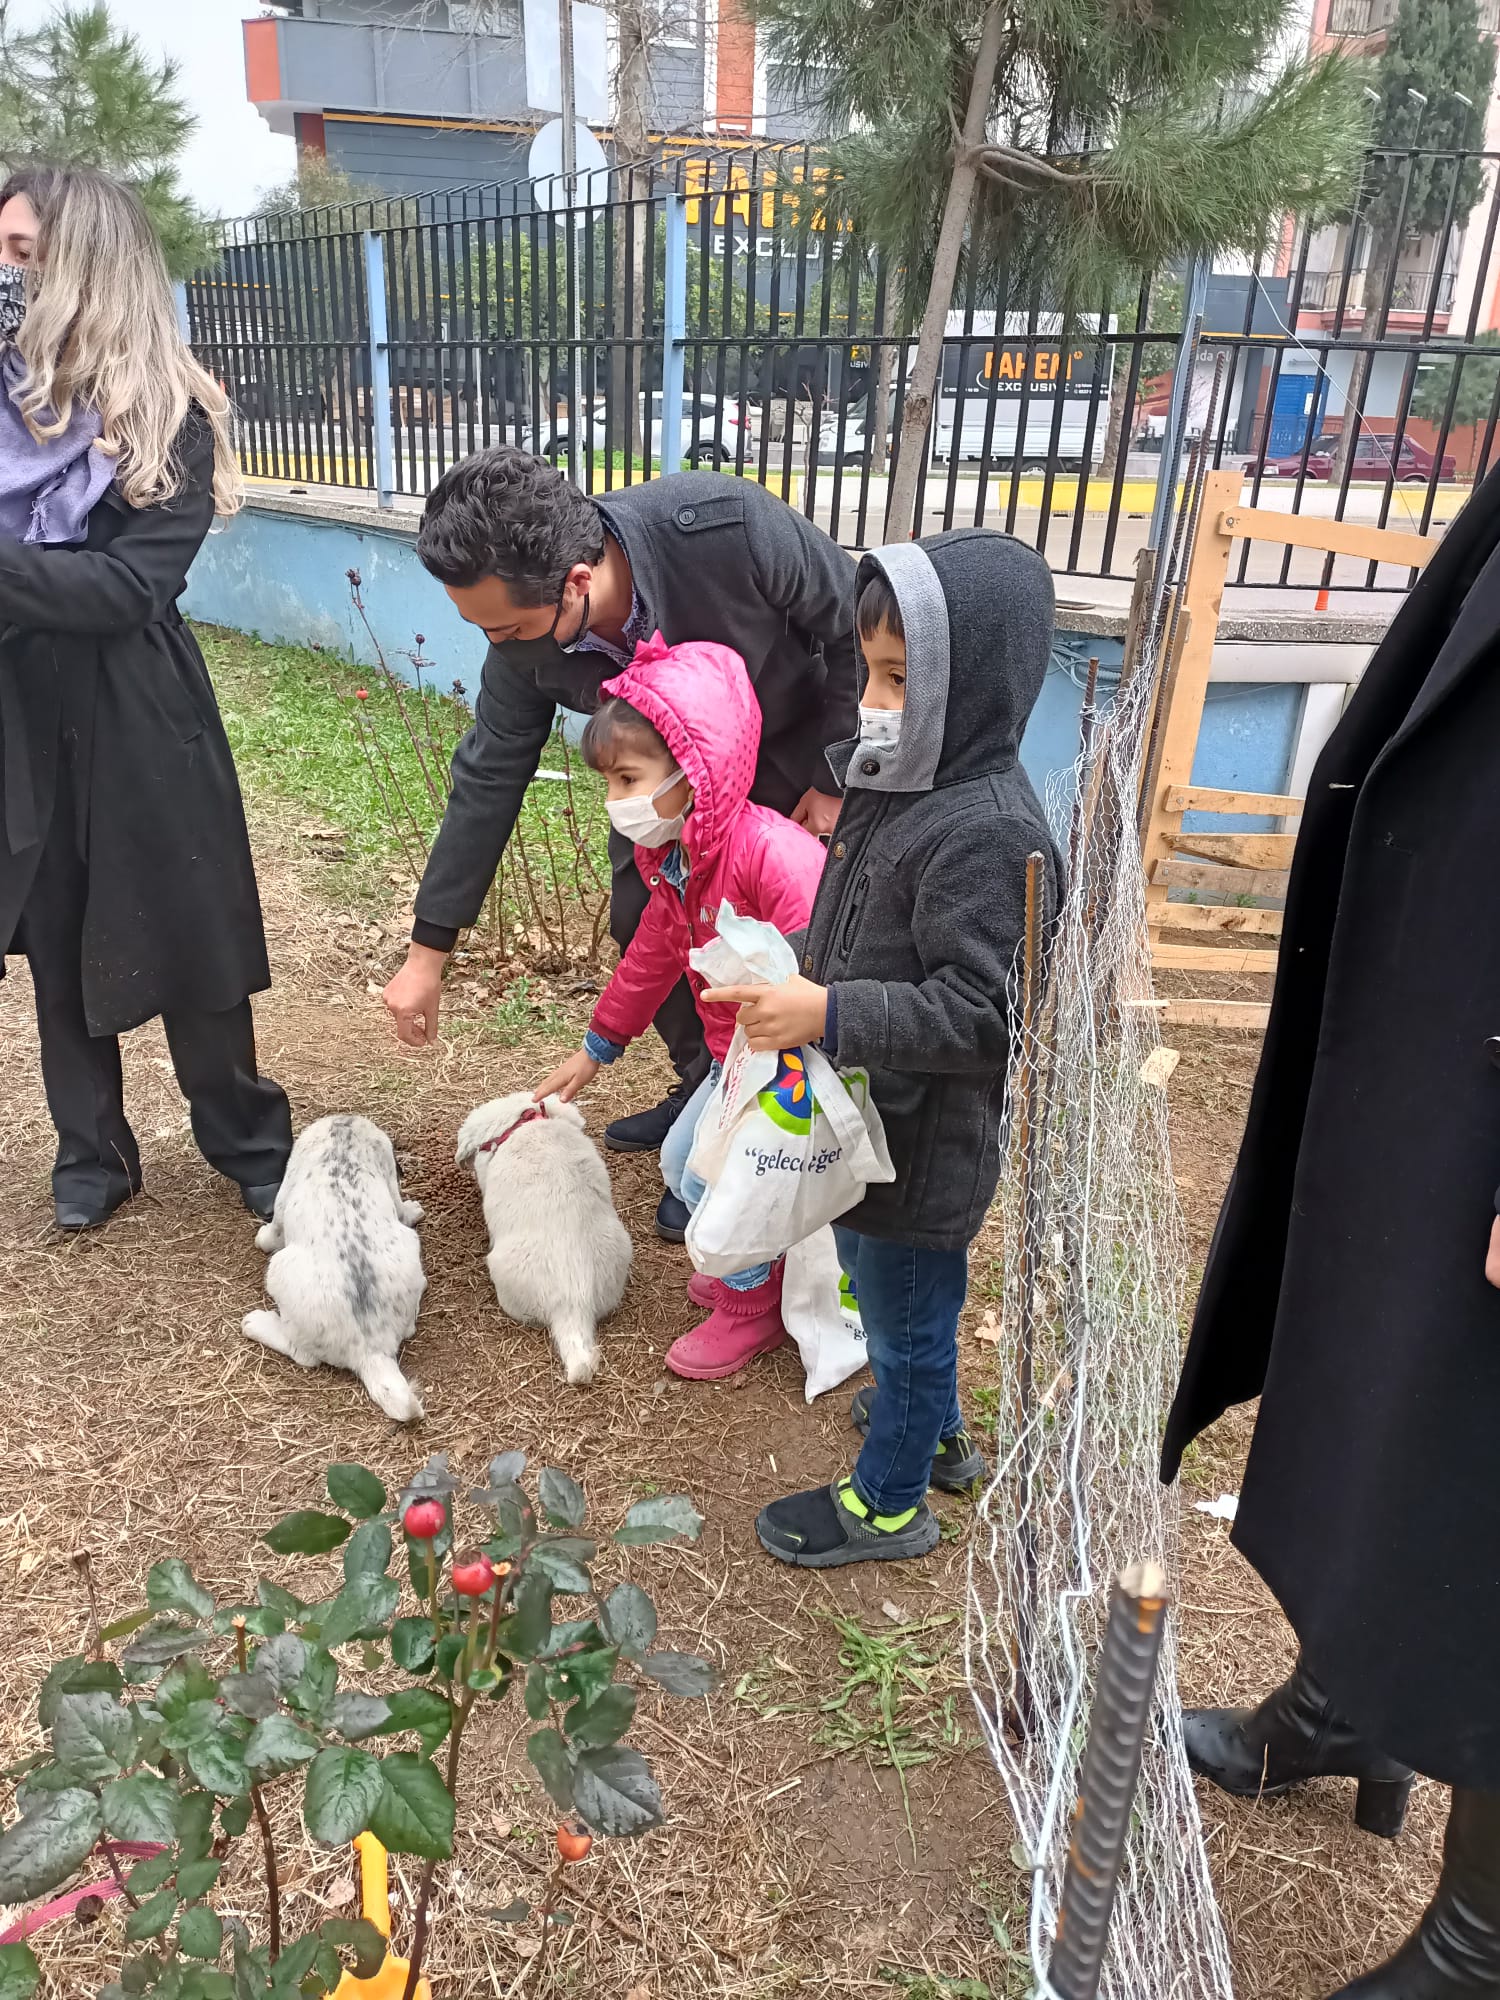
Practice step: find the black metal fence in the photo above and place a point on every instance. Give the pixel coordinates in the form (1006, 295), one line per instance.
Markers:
(708, 309)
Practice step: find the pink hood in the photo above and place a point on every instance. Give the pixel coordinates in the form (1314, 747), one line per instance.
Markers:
(698, 699)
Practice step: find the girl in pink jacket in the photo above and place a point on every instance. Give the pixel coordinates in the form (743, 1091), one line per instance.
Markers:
(676, 740)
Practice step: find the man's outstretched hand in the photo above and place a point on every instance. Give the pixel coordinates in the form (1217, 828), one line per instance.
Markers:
(1492, 1262)
(415, 996)
(818, 812)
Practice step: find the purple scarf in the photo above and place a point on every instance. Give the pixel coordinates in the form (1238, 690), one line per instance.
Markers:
(47, 491)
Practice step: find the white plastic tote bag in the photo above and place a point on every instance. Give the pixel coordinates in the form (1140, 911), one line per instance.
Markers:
(784, 1144)
(821, 1314)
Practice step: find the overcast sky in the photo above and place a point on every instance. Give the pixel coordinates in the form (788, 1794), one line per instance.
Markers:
(233, 154)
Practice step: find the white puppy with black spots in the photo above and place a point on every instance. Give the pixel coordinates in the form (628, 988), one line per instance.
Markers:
(559, 1255)
(346, 1264)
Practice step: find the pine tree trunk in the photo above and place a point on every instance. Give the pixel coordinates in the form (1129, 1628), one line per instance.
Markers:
(880, 392)
(921, 389)
(1115, 430)
(628, 383)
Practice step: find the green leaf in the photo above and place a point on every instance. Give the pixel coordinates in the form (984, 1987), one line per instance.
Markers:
(282, 1602)
(196, 1878)
(582, 1676)
(412, 1646)
(199, 1721)
(312, 1694)
(218, 1763)
(420, 1561)
(560, 1569)
(616, 1793)
(171, 1586)
(75, 1676)
(357, 1491)
(671, 1518)
(630, 1619)
(258, 1620)
(55, 1686)
(210, 1985)
(549, 1754)
(123, 1627)
(307, 1533)
(525, 1631)
(538, 1702)
(46, 1778)
(139, 1807)
(360, 1936)
(574, 1635)
(356, 1716)
(20, 1975)
(684, 1674)
(484, 1680)
(368, 1550)
(154, 1873)
(343, 1790)
(194, 1820)
(562, 1499)
(234, 1817)
(360, 1611)
(414, 1814)
(159, 1645)
(284, 1658)
(254, 1695)
(200, 1932)
(152, 1918)
(513, 1913)
(327, 1972)
(450, 1649)
(598, 1724)
(421, 1709)
(296, 1962)
(93, 1737)
(181, 1687)
(278, 1744)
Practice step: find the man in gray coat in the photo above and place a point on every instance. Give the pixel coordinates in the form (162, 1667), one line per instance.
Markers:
(564, 587)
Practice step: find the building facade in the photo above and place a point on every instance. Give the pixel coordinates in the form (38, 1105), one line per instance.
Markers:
(413, 95)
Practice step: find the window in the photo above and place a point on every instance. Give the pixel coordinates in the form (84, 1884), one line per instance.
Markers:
(682, 23)
(482, 17)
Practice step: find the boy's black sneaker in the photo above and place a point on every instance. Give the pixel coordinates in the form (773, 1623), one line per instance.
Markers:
(644, 1131)
(830, 1526)
(959, 1465)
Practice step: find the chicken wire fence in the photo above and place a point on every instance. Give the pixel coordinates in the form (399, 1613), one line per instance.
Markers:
(1088, 1354)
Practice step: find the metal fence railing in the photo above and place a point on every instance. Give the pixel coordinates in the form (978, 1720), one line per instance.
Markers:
(710, 313)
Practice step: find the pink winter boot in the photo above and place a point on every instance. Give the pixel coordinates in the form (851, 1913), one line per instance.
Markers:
(702, 1290)
(741, 1325)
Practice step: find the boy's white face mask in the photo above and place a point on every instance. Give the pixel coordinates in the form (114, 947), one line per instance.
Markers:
(879, 728)
(636, 819)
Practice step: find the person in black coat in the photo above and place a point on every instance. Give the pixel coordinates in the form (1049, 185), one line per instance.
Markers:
(125, 871)
(1348, 1283)
(565, 587)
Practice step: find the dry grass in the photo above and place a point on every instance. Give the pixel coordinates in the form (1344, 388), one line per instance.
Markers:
(143, 1423)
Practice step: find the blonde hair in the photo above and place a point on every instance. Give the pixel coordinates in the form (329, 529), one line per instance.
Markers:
(101, 331)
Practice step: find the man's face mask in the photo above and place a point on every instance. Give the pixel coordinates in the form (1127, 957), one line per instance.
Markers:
(12, 301)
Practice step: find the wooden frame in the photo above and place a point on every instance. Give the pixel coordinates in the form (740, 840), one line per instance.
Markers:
(1228, 874)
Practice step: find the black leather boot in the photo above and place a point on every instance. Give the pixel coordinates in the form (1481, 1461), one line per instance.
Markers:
(1294, 1735)
(1455, 1952)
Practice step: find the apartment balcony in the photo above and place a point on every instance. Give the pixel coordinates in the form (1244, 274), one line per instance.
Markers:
(394, 71)
(1413, 295)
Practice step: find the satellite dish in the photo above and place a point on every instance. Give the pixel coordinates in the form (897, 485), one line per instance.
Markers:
(544, 168)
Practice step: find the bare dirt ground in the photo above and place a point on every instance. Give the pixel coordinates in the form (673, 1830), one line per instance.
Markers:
(142, 1423)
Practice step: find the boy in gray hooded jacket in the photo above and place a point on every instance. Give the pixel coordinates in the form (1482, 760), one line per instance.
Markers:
(906, 971)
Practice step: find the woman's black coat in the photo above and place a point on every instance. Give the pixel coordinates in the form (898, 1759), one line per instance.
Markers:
(1346, 1283)
(91, 640)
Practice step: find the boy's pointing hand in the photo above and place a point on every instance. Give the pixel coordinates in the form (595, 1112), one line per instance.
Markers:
(776, 1017)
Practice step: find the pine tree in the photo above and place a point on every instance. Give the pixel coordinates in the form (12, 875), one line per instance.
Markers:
(1056, 148)
(79, 91)
(1434, 51)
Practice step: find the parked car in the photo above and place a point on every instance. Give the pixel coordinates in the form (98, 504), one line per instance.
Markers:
(711, 431)
(1374, 455)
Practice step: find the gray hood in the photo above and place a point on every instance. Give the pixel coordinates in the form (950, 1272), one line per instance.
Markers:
(977, 607)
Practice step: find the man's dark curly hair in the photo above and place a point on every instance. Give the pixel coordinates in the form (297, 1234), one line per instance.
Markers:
(504, 513)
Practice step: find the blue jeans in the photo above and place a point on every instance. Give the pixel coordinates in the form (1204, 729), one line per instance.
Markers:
(686, 1186)
(909, 1303)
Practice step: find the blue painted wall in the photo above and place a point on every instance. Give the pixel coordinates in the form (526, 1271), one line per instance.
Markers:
(285, 579)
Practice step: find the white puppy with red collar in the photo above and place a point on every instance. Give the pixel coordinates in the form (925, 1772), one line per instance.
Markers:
(559, 1255)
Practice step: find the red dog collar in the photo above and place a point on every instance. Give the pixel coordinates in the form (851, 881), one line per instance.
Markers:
(526, 1117)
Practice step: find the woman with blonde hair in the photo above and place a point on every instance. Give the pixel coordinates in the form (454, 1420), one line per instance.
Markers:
(125, 870)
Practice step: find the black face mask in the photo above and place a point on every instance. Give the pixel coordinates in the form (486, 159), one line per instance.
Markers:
(12, 300)
(570, 645)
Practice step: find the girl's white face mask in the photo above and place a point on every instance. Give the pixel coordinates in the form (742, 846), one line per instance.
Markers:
(636, 819)
(879, 728)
